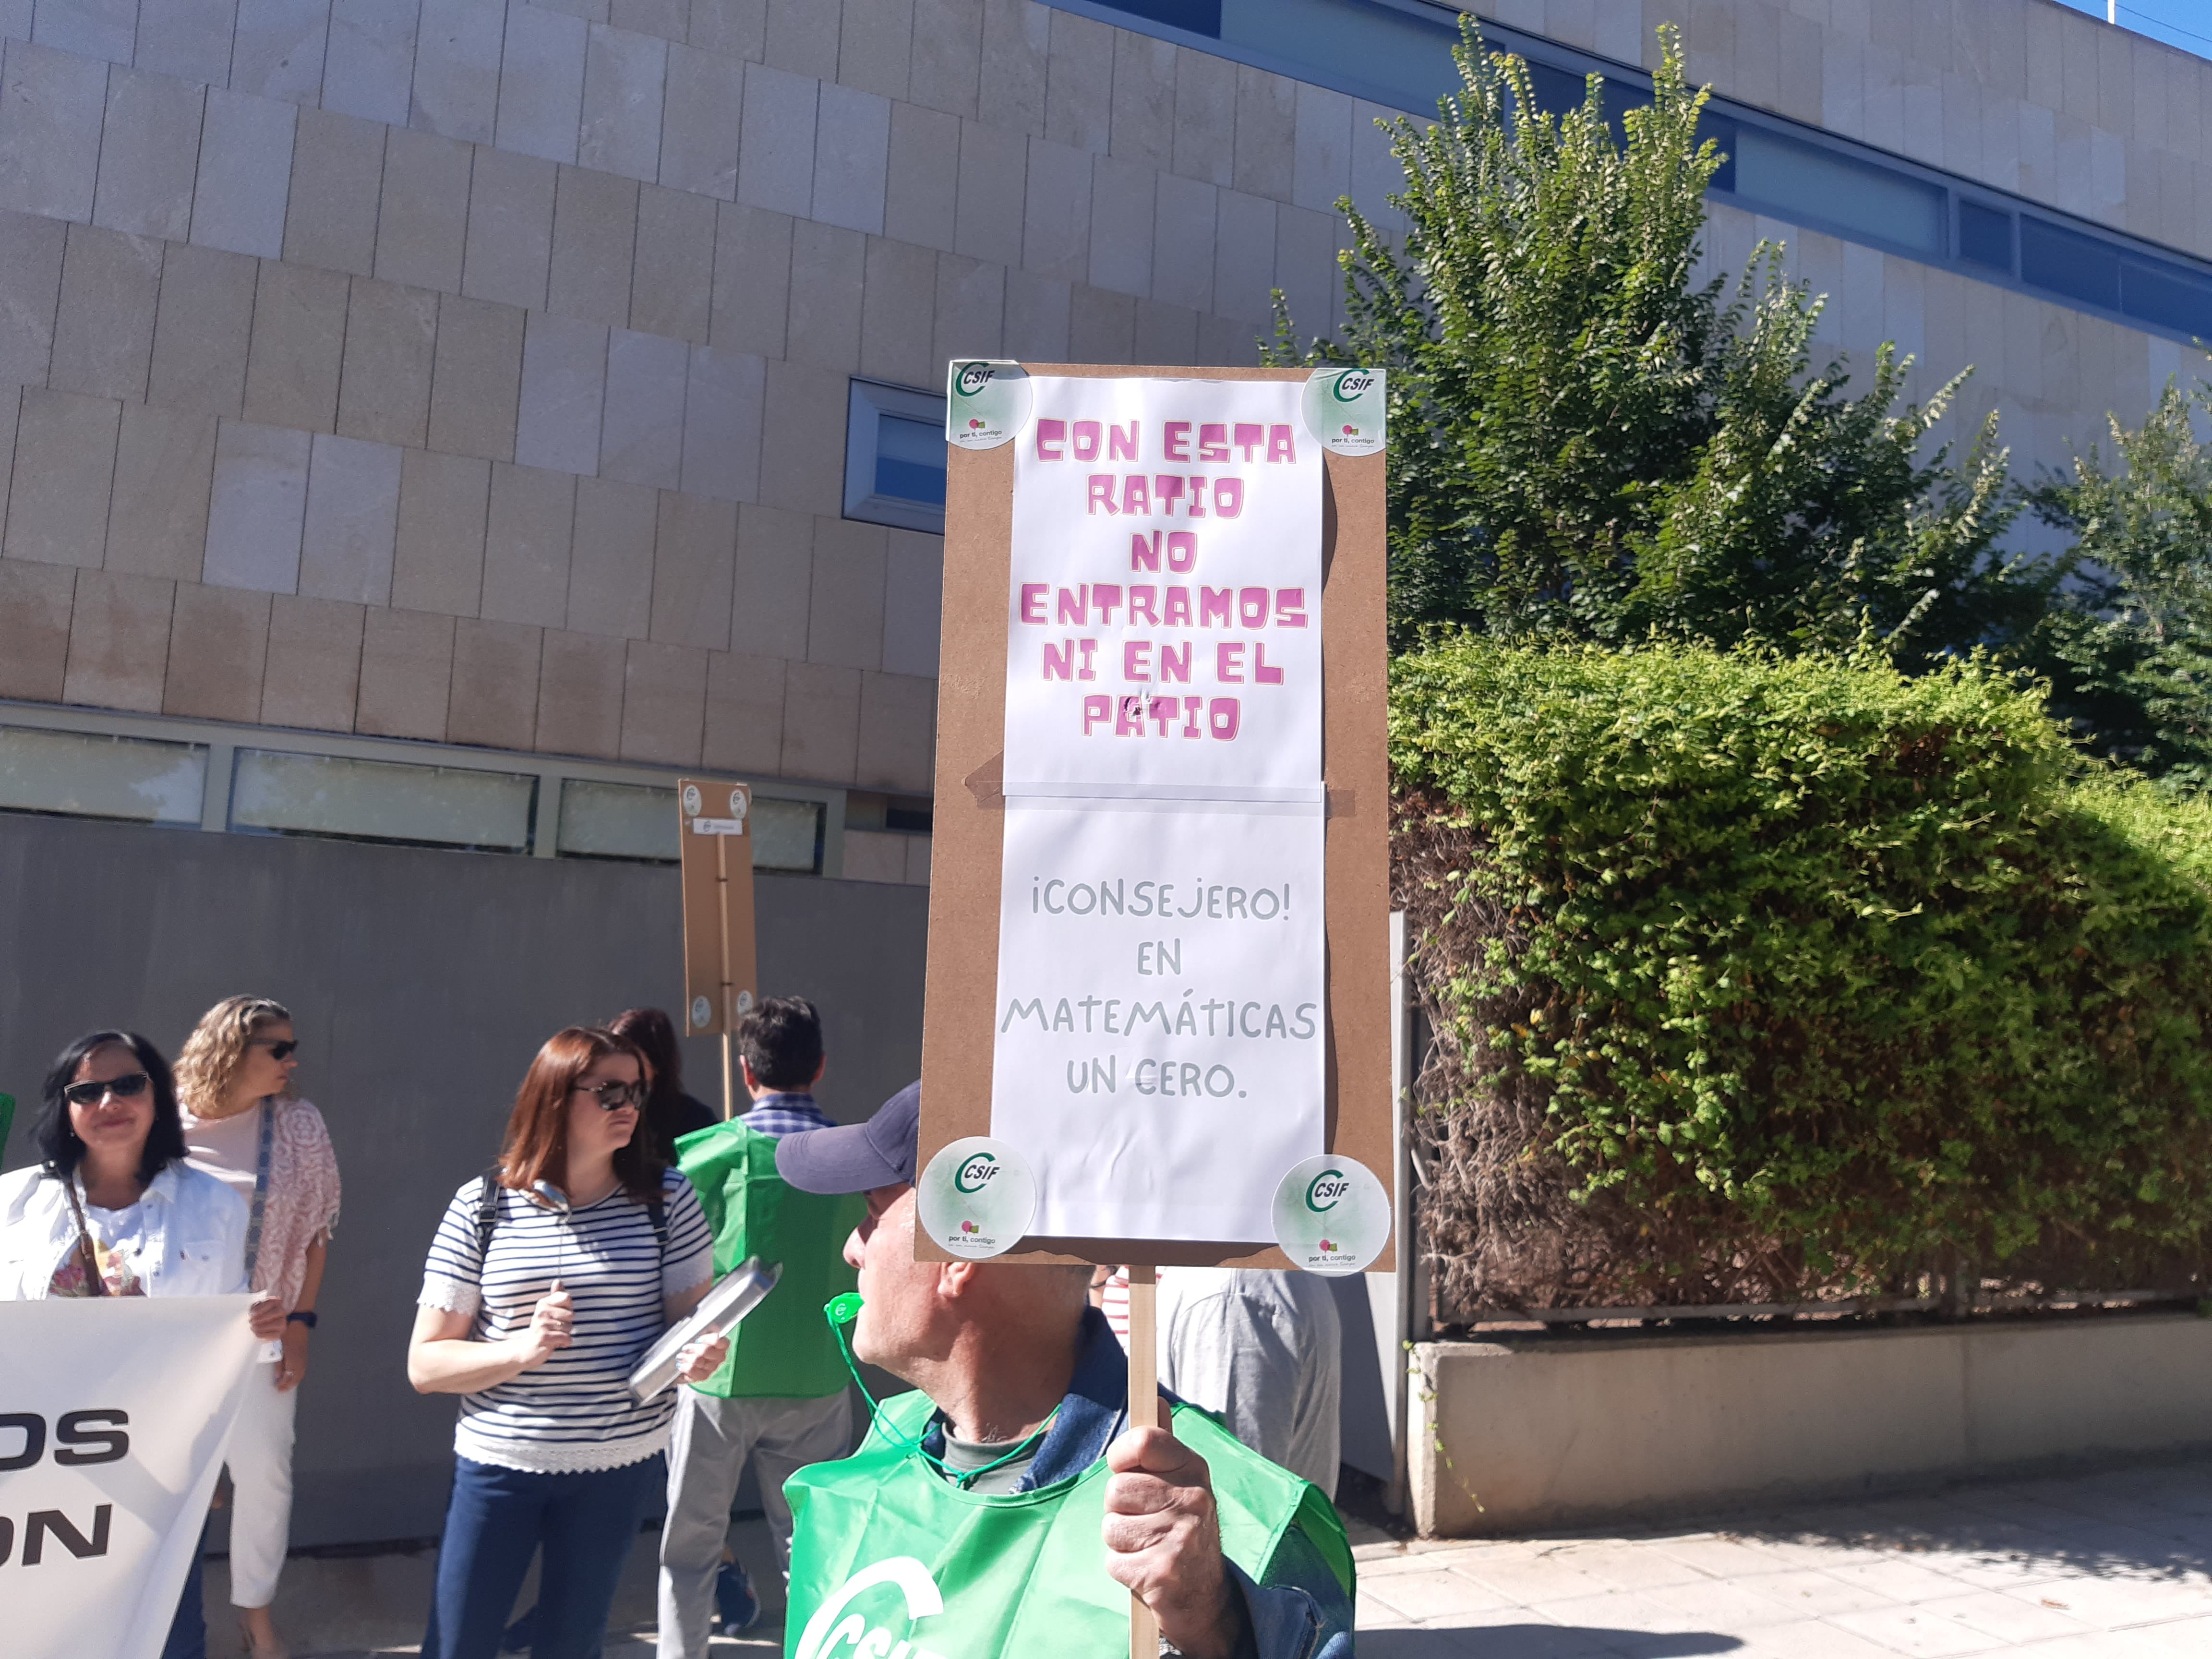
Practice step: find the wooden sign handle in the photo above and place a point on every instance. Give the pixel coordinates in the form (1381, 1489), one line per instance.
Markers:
(1144, 1413)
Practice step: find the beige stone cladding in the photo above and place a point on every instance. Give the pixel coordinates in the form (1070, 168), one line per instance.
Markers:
(475, 370)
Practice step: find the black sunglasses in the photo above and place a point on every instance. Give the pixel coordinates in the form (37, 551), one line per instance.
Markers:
(614, 1096)
(128, 1086)
(277, 1051)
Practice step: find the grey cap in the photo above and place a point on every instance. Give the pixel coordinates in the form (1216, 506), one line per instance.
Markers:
(856, 1158)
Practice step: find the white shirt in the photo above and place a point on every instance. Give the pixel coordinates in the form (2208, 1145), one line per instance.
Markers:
(189, 1231)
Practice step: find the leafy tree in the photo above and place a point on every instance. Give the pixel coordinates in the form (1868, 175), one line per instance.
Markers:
(1585, 445)
(2128, 650)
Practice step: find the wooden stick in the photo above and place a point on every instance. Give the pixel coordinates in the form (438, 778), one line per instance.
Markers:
(1144, 1413)
(722, 905)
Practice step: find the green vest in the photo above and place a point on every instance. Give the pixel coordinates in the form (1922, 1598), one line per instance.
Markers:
(888, 1556)
(783, 1349)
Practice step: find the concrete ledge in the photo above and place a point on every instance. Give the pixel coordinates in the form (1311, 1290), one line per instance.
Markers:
(1515, 1436)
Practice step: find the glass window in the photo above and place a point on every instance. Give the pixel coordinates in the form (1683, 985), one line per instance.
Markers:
(912, 813)
(639, 821)
(458, 807)
(895, 457)
(910, 459)
(1985, 236)
(1857, 198)
(2167, 295)
(93, 775)
(2068, 263)
(616, 821)
(786, 835)
(1199, 16)
(1379, 52)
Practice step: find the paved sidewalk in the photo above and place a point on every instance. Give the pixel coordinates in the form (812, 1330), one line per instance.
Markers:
(2103, 1566)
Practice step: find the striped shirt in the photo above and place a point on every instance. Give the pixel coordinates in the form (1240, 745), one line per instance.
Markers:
(575, 1411)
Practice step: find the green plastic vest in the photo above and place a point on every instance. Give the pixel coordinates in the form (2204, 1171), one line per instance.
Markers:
(784, 1349)
(890, 1559)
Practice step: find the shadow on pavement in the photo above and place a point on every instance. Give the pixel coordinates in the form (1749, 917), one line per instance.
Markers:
(1542, 1641)
(2141, 1521)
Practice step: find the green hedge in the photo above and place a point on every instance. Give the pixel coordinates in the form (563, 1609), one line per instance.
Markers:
(1760, 979)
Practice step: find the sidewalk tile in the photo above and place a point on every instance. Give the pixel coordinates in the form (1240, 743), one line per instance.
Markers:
(1809, 1641)
(1435, 1595)
(1544, 1579)
(1916, 1632)
(1897, 1579)
(2013, 1619)
(2118, 1603)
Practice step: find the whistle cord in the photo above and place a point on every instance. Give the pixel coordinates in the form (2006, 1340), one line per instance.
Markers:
(843, 1310)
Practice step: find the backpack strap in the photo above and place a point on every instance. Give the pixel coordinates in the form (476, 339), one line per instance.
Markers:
(487, 1214)
(487, 1208)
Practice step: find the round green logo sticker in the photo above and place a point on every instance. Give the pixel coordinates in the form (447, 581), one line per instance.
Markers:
(1347, 409)
(976, 1198)
(987, 402)
(1332, 1215)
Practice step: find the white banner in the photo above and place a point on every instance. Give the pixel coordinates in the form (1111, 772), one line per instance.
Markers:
(1159, 1049)
(113, 1415)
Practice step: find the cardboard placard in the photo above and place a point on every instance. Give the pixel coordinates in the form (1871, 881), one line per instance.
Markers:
(970, 831)
(713, 826)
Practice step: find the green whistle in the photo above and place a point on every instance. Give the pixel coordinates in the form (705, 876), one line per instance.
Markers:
(842, 1309)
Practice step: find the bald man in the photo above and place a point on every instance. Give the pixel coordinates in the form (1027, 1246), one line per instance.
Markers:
(1005, 1505)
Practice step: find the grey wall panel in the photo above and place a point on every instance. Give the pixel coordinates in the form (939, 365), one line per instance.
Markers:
(423, 983)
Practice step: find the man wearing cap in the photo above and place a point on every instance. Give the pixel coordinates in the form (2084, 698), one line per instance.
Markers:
(1005, 1505)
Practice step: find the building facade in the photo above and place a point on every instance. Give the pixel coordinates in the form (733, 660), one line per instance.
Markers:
(426, 426)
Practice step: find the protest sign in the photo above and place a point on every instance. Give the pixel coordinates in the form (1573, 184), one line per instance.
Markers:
(716, 861)
(113, 1415)
(1158, 977)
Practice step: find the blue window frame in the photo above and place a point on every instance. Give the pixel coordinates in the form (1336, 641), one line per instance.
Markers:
(1398, 53)
(895, 457)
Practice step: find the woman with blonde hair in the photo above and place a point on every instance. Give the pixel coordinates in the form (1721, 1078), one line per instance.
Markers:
(244, 1126)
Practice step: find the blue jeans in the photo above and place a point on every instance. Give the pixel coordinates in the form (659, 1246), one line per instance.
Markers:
(188, 1629)
(497, 1518)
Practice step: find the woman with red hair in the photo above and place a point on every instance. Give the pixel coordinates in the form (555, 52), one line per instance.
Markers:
(547, 1282)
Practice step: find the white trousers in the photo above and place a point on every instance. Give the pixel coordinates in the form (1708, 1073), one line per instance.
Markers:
(260, 1460)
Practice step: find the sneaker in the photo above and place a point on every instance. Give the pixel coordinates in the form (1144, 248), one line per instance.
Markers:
(734, 1598)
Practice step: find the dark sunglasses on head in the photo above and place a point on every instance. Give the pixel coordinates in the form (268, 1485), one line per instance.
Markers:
(128, 1086)
(277, 1051)
(614, 1096)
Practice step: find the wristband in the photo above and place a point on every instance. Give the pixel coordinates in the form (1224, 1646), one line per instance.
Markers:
(304, 1316)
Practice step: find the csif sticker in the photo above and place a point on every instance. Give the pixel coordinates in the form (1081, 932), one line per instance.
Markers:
(987, 402)
(1347, 408)
(976, 1198)
(1332, 1215)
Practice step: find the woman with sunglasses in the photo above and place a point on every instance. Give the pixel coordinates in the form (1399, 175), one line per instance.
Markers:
(547, 1280)
(244, 1126)
(112, 1209)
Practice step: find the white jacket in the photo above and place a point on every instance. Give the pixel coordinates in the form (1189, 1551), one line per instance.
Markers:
(195, 1234)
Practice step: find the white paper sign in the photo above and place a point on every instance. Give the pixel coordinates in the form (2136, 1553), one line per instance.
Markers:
(117, 1411)
(1159, 1059)
(1163, 630)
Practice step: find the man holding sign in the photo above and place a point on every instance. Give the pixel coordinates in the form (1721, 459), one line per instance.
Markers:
(1005, 1505)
